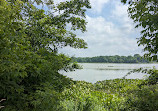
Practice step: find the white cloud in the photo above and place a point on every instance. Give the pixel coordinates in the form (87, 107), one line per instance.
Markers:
(108, 39)
(120, 15)
(97, 5)
(105, 38)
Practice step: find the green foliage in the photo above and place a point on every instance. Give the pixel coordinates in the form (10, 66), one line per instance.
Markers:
(130, 94)
(109, 95)
(82, 96)
(29, 59)
(112, 59)
(144, 13)
(152, 75)
(144, 99)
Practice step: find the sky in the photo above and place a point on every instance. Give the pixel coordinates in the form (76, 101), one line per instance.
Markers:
(109, 31)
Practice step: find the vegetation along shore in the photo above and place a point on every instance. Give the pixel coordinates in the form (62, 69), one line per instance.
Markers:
(31, 34)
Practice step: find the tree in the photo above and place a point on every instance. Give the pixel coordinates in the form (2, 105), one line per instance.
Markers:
(29, 58)
(145, 14)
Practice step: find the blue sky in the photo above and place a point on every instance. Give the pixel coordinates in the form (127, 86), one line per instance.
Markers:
(109, 31)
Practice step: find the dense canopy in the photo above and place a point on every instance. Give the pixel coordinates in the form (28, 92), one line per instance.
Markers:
(29, 43)
(112, 59)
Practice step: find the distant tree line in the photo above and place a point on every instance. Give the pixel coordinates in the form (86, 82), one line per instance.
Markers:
(112, 59)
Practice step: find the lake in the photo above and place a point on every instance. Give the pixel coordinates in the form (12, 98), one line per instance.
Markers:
(93, 72)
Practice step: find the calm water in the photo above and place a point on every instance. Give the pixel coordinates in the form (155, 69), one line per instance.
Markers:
(93, 72)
